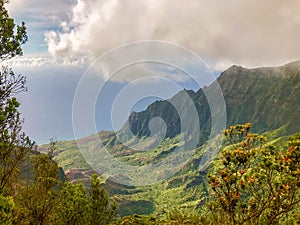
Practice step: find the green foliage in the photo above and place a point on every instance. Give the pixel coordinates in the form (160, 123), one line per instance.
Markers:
(48, 200)
(14, 144)
(10, 41)
(138, 206)
(68, 156)
(137, 219)
(36, 199)
(173, 218)
(253, 183)
(73, 206)
(76, 205)
(6, 206)
(183, 217)
(103, 209)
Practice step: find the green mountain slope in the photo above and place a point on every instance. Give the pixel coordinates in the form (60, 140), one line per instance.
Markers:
(266, 97)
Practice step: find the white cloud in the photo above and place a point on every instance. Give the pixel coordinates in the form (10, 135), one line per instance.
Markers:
(243, 32)
(32, 60)
(151, 71)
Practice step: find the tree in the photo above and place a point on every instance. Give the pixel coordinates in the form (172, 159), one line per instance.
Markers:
(6, 206)
(255, 184)
(76, 205)
(10, 41)
(45, 189)
(14, 144)
(35, 202)
(73, 206)
(103, 209)
(46, 199)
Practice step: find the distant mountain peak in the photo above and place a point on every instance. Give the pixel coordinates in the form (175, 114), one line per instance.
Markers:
(235, 67)
(293, 64)
(251, 95)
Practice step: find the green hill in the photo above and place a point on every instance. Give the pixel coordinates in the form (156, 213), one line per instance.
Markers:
(266, 97)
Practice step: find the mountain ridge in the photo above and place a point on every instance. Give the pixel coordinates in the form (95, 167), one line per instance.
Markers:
(247, 93)
(266, 97)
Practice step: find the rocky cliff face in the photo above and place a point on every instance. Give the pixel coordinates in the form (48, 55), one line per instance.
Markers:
(266, 97)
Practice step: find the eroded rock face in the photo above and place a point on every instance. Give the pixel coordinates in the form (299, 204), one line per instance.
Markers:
(265, 96)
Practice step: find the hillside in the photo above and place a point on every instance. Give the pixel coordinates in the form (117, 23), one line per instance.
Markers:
(250, 95)
(266, 97)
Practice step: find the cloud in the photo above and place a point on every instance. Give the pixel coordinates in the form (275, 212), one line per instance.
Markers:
(249, 33)
(33, 60)
(146, 71)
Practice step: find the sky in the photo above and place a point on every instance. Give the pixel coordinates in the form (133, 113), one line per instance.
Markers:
(67, 37)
